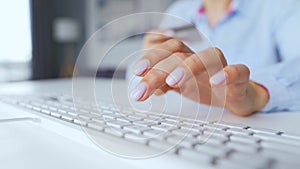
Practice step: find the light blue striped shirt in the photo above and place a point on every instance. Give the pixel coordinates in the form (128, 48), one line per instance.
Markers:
(262, 34)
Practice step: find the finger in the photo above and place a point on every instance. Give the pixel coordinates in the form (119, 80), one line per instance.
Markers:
(208, 61)
(157, 36)
(157, 54)
(235, 78)
(162, 90)
(155, 78)
(233, 74)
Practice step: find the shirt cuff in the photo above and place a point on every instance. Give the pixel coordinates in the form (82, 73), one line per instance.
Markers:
(280, 98)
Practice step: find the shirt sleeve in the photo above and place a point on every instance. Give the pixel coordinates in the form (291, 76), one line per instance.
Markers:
(283, 84)
(282, 80)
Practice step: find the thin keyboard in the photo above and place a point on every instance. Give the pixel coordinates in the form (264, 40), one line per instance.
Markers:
(229, 145)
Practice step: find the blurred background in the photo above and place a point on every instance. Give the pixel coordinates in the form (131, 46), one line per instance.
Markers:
(41, 39)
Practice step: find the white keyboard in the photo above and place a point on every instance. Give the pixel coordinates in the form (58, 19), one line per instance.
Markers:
(229, 145)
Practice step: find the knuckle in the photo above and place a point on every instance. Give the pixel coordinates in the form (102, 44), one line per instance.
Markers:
(193, 63)
(235, 71)
(219, 53)
(176, 44)
(245, 69)
(179, 56)
(155, 76)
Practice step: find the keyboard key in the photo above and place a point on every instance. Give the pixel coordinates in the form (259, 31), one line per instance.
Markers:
(213, 149)
(36, 108)
(99, 120)
(243, 147)
(136, 138)
(291, 136)
(164, 127)
(117, 124)
(157, 134)
(245, 138)
(161, 145)
(115, 131)
(197, 157)
(80, 122)
(55, 114)
(136, 129)
(134, 118)
(72, 113)
(153, 120)
(263, 130)
(239, 131)
(281, 156)
(44, 111)
(194, 128)
(193, 122)
(67, 117)
(123, 119)
(222, 163)
(170, 123)
(277, 138)
(212, 140)
(186, 132)
(251, 160)
(85, 116)
(187, 142)
(96, 126)
(110, 116)
(215, 126)
(232, 125)
(210, 131)
(281, 147)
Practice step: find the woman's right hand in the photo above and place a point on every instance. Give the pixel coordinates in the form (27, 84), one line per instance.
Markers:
(169, 64)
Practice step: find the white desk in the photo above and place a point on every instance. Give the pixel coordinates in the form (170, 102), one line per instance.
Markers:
(22, 143)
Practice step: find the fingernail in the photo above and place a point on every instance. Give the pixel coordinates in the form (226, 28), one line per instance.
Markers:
(138, 91)
(169, 33)
(175, 77)
(218, 78)
(141, 67)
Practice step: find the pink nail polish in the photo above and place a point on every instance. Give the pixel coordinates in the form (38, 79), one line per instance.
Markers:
(138, 91)
(175, 77)
(218, 78)
(141, 67)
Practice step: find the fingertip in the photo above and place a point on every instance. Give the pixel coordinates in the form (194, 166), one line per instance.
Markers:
(138, 92)
(140, 67)
(175, 77)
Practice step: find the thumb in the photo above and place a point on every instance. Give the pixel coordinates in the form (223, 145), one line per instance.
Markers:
(233, 74)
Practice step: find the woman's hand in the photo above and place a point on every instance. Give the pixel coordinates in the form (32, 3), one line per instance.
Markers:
(170, 65)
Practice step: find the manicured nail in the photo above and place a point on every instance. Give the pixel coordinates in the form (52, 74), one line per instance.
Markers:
(218, 78)
(138, 91)
(175, 77)
(169, 33)
(141, 67)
